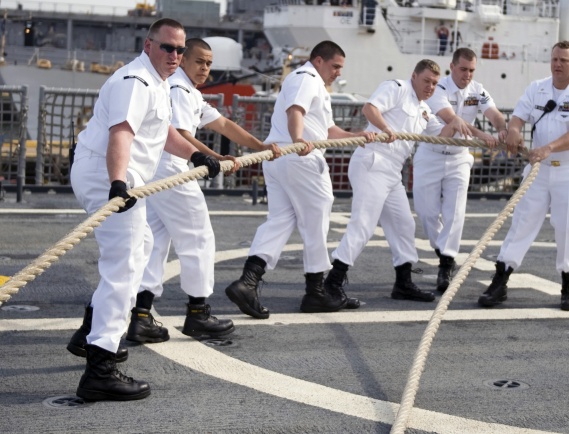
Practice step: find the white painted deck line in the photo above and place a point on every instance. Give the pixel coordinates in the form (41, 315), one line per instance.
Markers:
(343, 317)
(208, 361)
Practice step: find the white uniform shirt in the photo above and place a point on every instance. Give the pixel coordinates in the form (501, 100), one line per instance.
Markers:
(305, 88)
(403, 112)
(553, 125)
(137, 94)
(190, 110)
(464, 102)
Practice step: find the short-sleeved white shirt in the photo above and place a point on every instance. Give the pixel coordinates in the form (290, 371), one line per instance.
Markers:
(190, 110)
(403, 112)
(553, 125)
(305, 88)
(137, 94)
(464, 102)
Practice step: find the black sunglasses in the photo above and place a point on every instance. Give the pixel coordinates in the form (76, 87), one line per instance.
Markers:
(170, 48)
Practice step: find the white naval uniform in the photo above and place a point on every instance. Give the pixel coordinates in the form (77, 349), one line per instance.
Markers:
(550, 190)
(375, 176)
(299, 188)
(137, 94)
(180, 215)
(441, 173)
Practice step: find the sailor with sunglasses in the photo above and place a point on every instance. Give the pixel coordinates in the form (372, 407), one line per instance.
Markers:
(180, 216)
(120, 149)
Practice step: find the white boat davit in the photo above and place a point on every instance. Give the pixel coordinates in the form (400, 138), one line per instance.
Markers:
(385, 39)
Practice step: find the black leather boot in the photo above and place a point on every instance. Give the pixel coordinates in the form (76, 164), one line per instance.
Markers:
(144, 328)
(446, 268)
(78, 341)
(316, 298)
(405, 289)
(244, 292)
(103, 381)
(565, 291)
(200, 322)
(334, 284)
(497, 291)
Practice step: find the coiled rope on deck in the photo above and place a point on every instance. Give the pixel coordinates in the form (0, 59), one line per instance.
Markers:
(44, 261)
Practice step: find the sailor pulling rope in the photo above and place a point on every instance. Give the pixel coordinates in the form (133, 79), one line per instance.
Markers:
(44, 261)
(37, 267)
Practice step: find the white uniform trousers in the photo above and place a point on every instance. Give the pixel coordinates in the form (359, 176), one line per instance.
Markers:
(300, 195)
(550, 190)
(180, 215)
(124, 243)
(440, 188)
(378, 195)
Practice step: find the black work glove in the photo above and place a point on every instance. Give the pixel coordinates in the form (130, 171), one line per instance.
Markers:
(118, 188)
(212, 163)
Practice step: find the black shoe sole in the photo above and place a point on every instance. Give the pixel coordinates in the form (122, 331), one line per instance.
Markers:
(352, 303)
(443, 287)
(76, 350)
(398, 296)
(95, 395)
(237, 298)
(205, 333)
(145, 339)
(322, 309)
(490, 303)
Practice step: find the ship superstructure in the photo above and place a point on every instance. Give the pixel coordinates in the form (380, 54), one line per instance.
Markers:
(384, 40)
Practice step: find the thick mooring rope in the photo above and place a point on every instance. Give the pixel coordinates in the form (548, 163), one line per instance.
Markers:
(51, 255)
(422, 352)
(44, 261)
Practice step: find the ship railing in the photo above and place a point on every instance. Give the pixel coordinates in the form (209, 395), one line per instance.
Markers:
(63, 113)
(13, 121)
(254, 115)
(493, 172)
(66, 8)
(542, 8)
(272, 8)
(216, 142)
(367, 16)
(291, 2)
(411, 44)
(60, 57)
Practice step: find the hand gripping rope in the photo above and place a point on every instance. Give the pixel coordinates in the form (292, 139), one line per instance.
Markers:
(44, 261)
